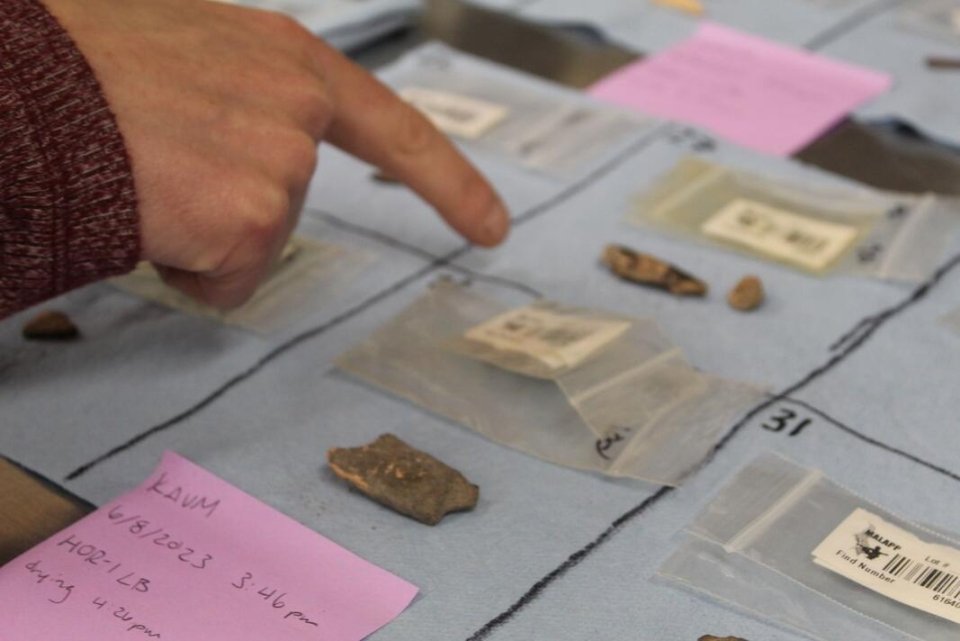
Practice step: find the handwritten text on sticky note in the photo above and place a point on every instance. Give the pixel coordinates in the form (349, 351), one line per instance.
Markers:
(751, 91)
(186, 556)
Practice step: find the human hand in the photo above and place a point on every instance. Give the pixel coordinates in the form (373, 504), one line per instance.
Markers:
(222, 107)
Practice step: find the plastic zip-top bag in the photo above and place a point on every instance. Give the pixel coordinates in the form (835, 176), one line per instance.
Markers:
(785, 542)
(816, 229)
(306, 270)
(525, 119)
(937, 18)
(411, 357)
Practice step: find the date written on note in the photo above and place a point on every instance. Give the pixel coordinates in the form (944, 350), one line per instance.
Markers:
(187, 556)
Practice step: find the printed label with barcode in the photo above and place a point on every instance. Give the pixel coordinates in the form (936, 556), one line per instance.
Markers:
(800, 240)
(559, 340)
(455, 114)
(895, 563)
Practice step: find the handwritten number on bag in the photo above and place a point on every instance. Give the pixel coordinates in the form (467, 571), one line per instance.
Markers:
(603, 445)
(787, 418)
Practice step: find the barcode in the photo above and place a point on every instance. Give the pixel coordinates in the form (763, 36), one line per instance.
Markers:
(926, 576)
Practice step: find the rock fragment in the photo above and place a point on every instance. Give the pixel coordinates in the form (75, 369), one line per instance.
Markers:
(940, 62)
(746, 295)
(404, 479)
(50, 325)
(710, 637)
(650, 270)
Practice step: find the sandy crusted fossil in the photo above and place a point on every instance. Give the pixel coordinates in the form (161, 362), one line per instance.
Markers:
(404, 479)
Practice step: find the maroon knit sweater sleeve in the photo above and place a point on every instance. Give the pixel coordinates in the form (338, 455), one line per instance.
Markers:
(68, 211)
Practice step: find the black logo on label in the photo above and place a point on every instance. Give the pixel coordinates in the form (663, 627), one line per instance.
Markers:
(871, 544)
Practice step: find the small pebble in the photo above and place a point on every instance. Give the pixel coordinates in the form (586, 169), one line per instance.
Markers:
(404, 479)
(939, 62)
(50, 326)
(747, 295)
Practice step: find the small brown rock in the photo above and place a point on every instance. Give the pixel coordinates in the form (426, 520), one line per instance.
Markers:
(650, 270)
(50, 326)
(404, 479)
(746, 295)
(940, 62)
(710, 637)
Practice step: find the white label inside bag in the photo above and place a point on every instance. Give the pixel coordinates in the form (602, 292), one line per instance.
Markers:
(556, 339)
(802, 241)
(893, 562)
(454, 114)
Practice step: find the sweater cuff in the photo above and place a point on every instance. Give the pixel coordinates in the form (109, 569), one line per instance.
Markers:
(68, 208)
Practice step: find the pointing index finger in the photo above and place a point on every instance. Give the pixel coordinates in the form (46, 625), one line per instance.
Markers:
(372, 123)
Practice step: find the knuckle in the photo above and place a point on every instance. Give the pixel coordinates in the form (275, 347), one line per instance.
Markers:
(415, 134)
(262, 213)
(297, 157)
(317, 105)
(283, 25)
(303, 161)
(273, 204)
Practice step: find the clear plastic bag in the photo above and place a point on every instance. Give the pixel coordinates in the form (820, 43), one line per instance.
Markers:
(937, 18)
(305, 272)
(816, 229)
(541, 127)
(621, 374)
(753, 547)
(758, 591)
(411, 357)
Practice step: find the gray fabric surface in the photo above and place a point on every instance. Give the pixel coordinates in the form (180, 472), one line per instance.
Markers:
(926, 97)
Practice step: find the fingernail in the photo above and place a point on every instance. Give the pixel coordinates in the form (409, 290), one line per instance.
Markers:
(495, 224)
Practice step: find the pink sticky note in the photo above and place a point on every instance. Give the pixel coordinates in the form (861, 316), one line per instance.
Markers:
(749, 90)
(186, 556)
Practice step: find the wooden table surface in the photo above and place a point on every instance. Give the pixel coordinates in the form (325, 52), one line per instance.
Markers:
(30, 511)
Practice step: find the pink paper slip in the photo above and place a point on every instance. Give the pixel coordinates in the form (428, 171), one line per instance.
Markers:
(751, 91)
(185, 557)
